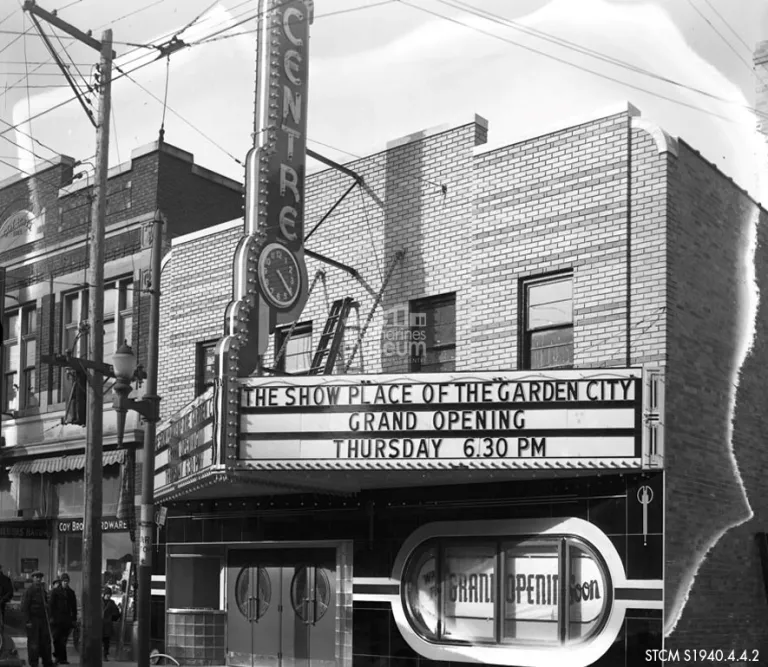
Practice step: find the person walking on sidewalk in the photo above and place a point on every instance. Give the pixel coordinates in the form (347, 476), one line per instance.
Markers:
(63, 616)
(111, 614)
(34, 608)
(6, 592)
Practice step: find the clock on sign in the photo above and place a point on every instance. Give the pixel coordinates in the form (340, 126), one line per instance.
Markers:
(279, 275)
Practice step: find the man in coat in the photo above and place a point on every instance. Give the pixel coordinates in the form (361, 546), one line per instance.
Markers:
(34, 608)
(63, 616)
(110, 614)
(6, 592)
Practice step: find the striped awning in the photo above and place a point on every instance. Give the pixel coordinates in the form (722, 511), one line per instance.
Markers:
(63, 463)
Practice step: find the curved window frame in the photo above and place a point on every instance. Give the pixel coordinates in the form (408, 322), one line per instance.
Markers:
(576, 654)
(563, 544)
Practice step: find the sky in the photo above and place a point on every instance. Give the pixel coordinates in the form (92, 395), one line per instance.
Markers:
(380, 70)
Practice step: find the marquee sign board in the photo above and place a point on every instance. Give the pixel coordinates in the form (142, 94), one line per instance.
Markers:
(490, 419)
(185, 442)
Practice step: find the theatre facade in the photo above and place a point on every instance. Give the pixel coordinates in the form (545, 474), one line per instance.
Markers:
(532, 442)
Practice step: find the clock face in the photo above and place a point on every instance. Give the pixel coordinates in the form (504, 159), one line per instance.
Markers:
(279, 275)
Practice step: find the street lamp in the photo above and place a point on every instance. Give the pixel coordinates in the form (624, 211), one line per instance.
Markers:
(126, 371)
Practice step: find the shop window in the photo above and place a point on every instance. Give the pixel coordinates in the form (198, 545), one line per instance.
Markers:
(20, 359)
(431, 343)
(118, 324)
(195, 582)
(297, 356)
(547, 322)
(68, 492)
(470, 592)
(205, 366)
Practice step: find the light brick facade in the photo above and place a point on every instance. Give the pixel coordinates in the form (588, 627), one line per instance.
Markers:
(656, 239)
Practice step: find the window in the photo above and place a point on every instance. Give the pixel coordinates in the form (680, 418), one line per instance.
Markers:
(545, 591)
(432, 334)
(547, 322)
(298, 353)
(20, 358)
(205, 369)
(118, 324)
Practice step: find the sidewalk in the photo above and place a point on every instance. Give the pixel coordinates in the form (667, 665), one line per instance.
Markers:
(72, 654)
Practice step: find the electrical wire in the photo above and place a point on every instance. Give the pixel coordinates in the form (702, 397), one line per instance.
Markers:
(572, 64)
(721, 36)
(727, 25)
(180, 117)
(319, 16)
(559, 41)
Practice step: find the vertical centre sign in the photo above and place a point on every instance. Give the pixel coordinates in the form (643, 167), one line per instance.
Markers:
(282, 120)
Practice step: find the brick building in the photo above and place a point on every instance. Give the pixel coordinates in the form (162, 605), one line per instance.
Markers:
(608, 248)
(44, 221)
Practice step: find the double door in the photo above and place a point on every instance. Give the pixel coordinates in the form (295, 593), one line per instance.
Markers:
(281, 608)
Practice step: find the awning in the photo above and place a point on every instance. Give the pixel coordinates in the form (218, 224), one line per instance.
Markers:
(63, 463)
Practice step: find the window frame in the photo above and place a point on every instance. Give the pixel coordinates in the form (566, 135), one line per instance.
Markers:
(25, 313)
(202, 347)
(564, 542)
(421, 305)
(123, 312)
(301, 330)
(524, 356)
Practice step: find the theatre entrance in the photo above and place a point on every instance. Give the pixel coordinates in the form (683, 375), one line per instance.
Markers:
(281, 607)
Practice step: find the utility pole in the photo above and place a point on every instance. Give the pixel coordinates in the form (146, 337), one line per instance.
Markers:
(147, 524)
(91, 646)
(91, 639)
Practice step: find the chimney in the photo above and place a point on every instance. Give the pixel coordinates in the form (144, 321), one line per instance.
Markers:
(761, 75)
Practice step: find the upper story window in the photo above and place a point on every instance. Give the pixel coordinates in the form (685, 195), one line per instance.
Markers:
(547, 317)
(117, 324)
(205, 370)
(432, 340)
(298, 353)
(545, 591)
(20, 358)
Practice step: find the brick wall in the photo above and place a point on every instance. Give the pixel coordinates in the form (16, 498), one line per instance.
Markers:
(196, 286)
(473, 225)
(708, 230)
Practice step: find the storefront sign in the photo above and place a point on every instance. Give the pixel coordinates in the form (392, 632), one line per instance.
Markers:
(184, 445)
(29, 565)
(496, 418)
(28, 531)
(108, 525)
(21, 227)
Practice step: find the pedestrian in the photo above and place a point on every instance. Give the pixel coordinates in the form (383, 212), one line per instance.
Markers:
(34, 608)
(110, 615)
(63, 616)
(6, 592)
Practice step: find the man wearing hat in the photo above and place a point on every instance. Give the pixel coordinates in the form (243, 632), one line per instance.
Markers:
(63, 616)
(34, 608)
(6, 592)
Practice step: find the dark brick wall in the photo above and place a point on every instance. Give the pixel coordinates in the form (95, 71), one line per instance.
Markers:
(192, 202)
(717, 584)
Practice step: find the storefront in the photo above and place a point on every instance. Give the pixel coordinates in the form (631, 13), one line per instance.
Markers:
(496, 518)
(51, 491)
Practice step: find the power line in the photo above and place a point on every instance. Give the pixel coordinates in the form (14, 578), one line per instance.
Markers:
(179, 116)
(727, 25)
(721, 36)
(319, 16)
(495, 18)
(570, 64)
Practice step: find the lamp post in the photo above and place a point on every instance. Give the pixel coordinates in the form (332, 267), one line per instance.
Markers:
(125, 369)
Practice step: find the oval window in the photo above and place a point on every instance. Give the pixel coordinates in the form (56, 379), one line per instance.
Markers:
(310, 593)
(253, 592)
(547, 591)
